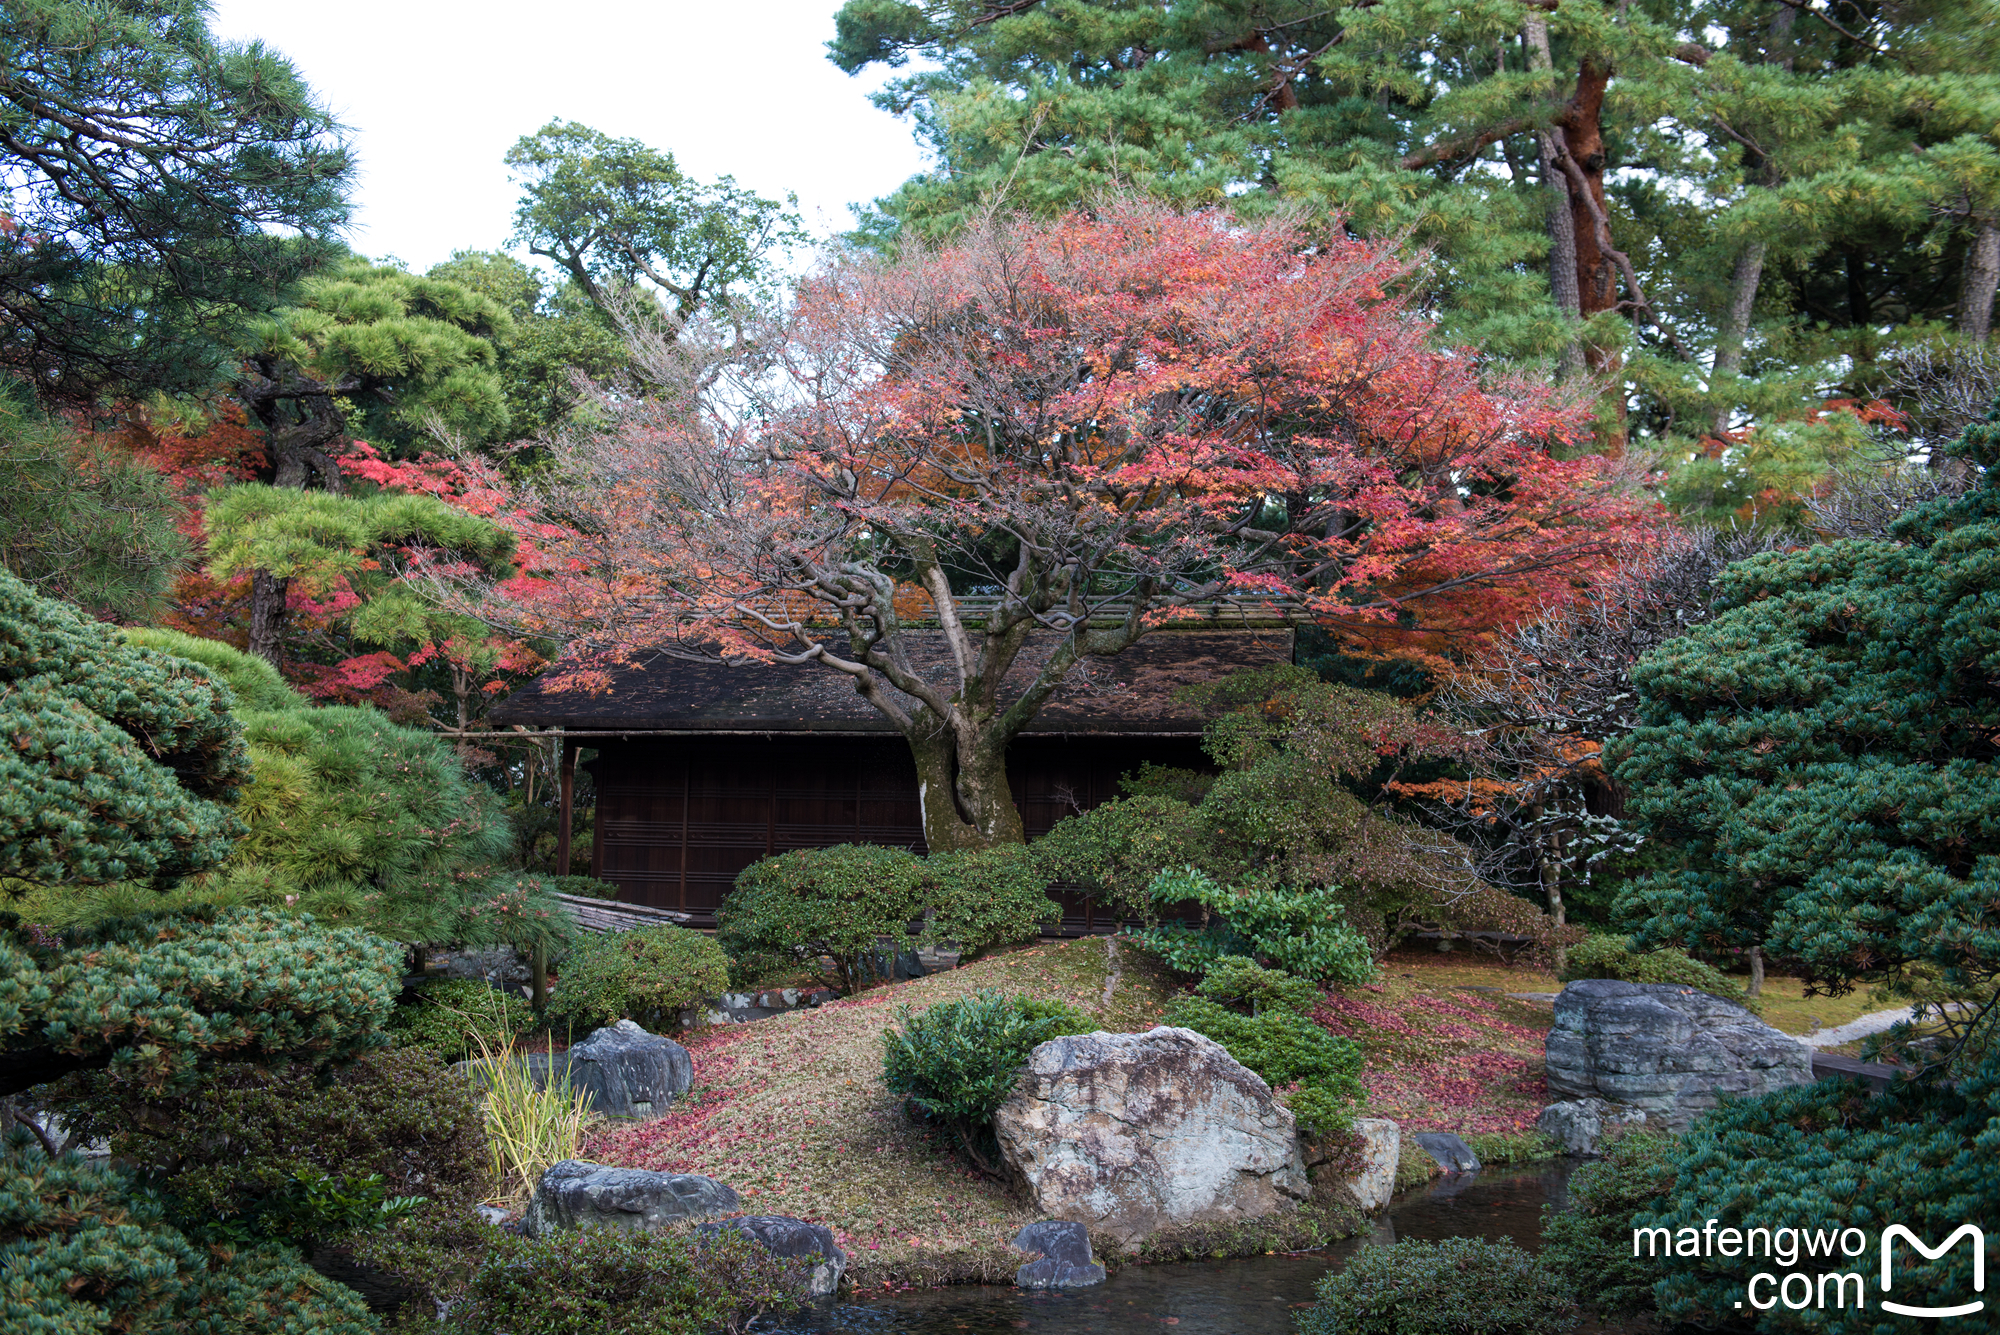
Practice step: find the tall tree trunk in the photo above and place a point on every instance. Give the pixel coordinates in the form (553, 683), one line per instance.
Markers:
(1729, 340)
(1982, 278)
(1581, 131)
(966, 800)
(1563, 288)
(268, 614)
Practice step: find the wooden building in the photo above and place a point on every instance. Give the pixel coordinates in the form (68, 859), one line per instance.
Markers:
(703, 768)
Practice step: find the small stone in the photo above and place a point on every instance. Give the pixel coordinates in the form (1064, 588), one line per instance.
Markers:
(1062, 1256)
(1452, 1154)
(783, 1236)
(1368, 1190)
(1579, 1124)
(578, 1194)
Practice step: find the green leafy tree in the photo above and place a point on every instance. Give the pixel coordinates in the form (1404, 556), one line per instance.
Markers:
(1822, 754)
(160, 186)
(614, 214)
(353, 551)
(557, 334)
(401, 353)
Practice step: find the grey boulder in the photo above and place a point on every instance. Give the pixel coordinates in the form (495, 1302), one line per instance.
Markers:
(1578, 1125)
(1131, 1133)
(626, 1071)
(1452, 1154)
(1369, 1189)
(1061, 1248)
(782, 1236)
(576, 1194)
(1671, 1052)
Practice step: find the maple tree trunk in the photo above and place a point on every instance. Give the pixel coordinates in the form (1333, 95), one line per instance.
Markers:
(268, 614)
(1582, 128)
(966, 800)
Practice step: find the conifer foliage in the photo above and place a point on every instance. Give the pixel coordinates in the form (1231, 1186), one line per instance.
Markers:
(1824, 752)
(119, 763)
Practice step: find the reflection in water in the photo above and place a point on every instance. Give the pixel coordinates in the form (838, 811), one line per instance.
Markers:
(1256, 1296)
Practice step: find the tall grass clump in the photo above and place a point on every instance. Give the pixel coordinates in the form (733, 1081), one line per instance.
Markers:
(529, 1125)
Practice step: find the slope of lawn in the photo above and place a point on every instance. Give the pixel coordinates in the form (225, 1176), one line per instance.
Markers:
(793, 1114)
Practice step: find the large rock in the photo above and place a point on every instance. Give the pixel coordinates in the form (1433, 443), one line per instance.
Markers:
(626, 1071)
(1130, 1133)
(1578, 1125)
(1667, 1050)
(1061, 1248)
(1329, 1160)
(576, 1194)
(788, 1237)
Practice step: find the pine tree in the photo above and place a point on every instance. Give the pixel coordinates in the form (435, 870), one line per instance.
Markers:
(406, 352)
(161, 187)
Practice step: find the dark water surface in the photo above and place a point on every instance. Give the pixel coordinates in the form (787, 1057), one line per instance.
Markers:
(1256, 1296)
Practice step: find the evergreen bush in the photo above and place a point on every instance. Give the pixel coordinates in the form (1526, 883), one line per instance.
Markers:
(1460, 1286)
(459, 1017)
(598, 1281)
(1614, 957)
(1260, 1017)
(82, 1252)
(984, 898)
(1833, 1155)
(960, 1060)
(288, 1151)
(1303, 932)
(1588, 1244)
(361, 821)
(834, 903)
(648, 975)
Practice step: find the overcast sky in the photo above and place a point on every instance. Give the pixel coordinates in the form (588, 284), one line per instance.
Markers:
(436, 91)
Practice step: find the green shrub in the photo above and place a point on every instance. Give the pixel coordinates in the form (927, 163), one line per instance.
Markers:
(985, 898)
(837, 903)
(597, 1281)
(1461, 1286)
(454, 1016)
(1116, 850)
(1589, 1244)
(1303, 932)
(255, 1151)
(1613, 957)
(960, 1060)
(1276, 1039)
(83, 1252)
(649, 976)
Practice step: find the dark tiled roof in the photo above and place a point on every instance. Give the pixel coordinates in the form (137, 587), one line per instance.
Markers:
(1131, 693)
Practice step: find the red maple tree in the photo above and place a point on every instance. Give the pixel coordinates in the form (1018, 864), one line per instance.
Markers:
(1044, 442)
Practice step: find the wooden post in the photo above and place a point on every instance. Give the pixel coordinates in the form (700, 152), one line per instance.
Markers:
(538, 963)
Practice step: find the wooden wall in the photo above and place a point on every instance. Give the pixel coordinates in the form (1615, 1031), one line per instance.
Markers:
(678, 818)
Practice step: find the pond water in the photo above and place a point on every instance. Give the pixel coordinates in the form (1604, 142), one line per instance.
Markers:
(1256, 1296)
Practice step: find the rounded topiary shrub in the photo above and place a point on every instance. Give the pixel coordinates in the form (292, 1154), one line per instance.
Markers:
(835, 903)
(460, 1017)
(648, 976)
(1613, 957)
(1461, 1286)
